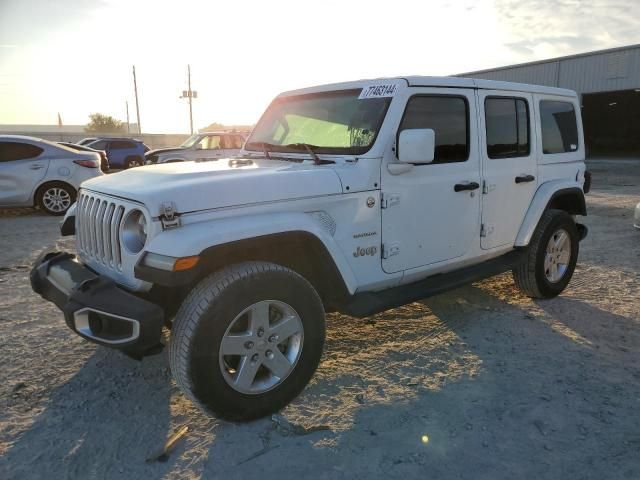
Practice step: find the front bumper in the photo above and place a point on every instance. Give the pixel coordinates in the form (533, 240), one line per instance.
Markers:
(96, 308)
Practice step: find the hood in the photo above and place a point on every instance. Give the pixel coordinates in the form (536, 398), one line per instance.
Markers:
(194, 186)
(162, 150)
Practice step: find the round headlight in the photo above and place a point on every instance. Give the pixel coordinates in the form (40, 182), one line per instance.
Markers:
(134, 231)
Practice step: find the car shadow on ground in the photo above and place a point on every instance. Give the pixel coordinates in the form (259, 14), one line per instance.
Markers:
(462, 385)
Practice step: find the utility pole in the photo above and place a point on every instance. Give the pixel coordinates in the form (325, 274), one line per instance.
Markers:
(135, 89)
(126, 104)
(189, 94)
(190, 98)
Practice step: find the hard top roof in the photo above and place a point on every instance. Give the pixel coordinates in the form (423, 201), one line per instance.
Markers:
(447, 82)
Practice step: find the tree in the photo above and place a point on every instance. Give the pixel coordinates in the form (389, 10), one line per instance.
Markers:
(100, 123)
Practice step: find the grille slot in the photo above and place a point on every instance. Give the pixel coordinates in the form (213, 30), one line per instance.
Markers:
(98, 222)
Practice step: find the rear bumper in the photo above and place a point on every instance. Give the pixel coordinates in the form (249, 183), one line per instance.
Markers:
(96, 308)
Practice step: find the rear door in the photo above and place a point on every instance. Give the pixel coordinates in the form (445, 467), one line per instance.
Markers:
(21, 169)
(119, 150)
(509, 166)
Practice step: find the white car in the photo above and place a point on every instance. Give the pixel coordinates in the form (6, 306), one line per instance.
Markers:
(354, 197)
(37, 172)
(199, 147)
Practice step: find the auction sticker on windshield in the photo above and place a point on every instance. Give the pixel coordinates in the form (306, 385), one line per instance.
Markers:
(378, 91)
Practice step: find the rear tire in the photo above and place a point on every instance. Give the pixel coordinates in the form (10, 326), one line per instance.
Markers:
(552, 256)
(218, 355)
(55, 198)
(132, 162)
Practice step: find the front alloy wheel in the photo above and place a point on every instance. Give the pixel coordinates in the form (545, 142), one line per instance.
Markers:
(261, 347)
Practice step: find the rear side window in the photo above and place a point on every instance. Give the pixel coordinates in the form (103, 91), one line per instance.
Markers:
(232, 141)
(448, 117)
(10, 151)
(559, 128)
(507, 124)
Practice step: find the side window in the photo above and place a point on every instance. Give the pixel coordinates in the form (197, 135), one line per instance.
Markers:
(10, 151)
(99, 145)
(210, 142)
(448, 117)
(122, 145)
(232, 142)
(507, 124)
(559, 128)
(238, 142)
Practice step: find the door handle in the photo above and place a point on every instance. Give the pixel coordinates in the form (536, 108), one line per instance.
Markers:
(36, 167)
(465, 186)
(525, 178)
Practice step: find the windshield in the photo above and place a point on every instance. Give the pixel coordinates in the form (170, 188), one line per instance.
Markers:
(332, 122)
(188, 143)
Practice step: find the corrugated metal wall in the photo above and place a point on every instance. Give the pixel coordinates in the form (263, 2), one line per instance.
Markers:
(609, 70)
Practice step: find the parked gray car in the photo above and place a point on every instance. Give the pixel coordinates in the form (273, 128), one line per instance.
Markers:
(37, 172)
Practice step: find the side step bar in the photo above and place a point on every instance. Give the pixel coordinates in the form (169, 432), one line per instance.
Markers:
(369, 303)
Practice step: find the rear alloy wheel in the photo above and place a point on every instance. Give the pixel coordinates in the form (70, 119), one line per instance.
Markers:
(133, 162)
(551, 258)
(55, 199)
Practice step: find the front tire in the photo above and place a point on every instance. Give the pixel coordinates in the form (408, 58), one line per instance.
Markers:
(552, 256)
(247, 340)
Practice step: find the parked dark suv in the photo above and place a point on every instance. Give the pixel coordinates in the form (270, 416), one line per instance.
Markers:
(122, 152)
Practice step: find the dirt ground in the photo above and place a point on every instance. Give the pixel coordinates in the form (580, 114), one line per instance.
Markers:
(477, 383)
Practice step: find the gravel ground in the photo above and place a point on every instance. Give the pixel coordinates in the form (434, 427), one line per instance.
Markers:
(479, 383)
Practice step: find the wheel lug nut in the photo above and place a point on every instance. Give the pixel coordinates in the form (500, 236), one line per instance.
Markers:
(273, 338)
(269, 354)
(254, 357)
(261, 332)
(248, 345)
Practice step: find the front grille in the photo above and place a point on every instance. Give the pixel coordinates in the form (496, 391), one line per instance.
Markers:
(98, 221)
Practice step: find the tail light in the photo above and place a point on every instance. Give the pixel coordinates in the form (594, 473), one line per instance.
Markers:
(87, 163)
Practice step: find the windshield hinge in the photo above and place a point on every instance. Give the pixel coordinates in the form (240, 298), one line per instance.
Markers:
(169, 217)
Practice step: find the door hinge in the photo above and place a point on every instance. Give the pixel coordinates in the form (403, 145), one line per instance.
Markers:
(389, 199)
(390, 249)
(487, 187)
(168, 216)
(486, 230)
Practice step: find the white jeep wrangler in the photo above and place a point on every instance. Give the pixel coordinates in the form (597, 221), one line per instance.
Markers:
(355, 197)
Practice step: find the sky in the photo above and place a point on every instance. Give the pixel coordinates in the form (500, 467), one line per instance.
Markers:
(75, 57)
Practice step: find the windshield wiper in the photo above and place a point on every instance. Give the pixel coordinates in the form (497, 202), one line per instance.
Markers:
(309, 148)
(265, 148)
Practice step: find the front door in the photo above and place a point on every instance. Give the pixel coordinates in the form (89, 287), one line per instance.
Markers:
(431, 211)
(509, 169)
(21, 169)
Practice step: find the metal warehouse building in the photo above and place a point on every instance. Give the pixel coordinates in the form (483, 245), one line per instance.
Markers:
(608, 82)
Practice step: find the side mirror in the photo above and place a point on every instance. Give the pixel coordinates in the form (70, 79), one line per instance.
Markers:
(416, 145)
